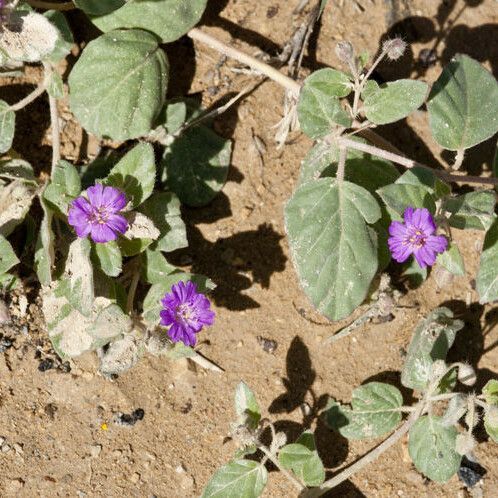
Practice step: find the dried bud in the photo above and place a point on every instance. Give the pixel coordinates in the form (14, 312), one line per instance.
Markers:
(464, 443)
(345, 51)
(466, 375)
(394, 48)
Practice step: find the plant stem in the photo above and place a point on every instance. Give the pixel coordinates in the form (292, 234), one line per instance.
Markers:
(458, 159)
(29, 98)
(368, 458)
(275, 462)
(409, 163)
(252, 62)
(343, 152)
(132, 290)
(40, 4)
(54, 120)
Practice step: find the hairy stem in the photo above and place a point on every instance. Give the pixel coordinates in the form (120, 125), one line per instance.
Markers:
(252, 62)
(368, 458)
(458, 159)
(29, 98)
(40, 4)
(410, 163)
(343, 152)
(273, 458)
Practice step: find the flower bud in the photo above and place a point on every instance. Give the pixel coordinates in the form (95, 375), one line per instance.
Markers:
(394, 48)
(466, 375)
(345, 51)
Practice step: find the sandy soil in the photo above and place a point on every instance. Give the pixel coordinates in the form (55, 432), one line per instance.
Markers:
(58, 425)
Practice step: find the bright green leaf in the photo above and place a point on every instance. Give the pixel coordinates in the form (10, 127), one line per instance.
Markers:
(463, 105)
(117, 86)
(375, 411)
(490, 391)
(394, 101)
(432, 448)
(334, 251)
(240, 478)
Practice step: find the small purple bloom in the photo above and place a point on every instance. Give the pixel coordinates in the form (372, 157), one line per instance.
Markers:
(187, 311)
(416, 236)
(98, 215)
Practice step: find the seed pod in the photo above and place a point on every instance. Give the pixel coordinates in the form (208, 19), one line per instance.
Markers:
(394, 48)
(464, 443)
(466, 375)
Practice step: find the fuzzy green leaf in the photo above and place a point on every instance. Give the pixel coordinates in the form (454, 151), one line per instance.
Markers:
(487, 275)
(8, 257)
(333, 249)
(473, 210)
(452, 260)
(463, 105)
(125, 103)
(108, 258)
(246, 406)
(432, 448)
(375, 411)
(155, 267)
(64, 186)
(44, 249)
(65, 40)
(7, 126)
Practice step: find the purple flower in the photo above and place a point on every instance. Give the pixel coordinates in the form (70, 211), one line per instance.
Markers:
(416, 236)
(98, 216)
(187, 311)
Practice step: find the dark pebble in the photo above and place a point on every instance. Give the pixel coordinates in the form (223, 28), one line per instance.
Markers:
(5, 343)
(65, 367)
(46, 364)
(130, 418)
(268, 345)
(427, 57)
(470, 473)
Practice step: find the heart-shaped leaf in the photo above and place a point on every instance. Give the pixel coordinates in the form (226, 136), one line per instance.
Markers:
(127, 91)
(463, 105)
(333, 249)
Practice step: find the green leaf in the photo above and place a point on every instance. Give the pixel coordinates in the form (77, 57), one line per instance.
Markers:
(108, 258)
(65, 40)
(371, 86)
(487, 275)
(431, 341)
(7, 126)
(152, 302)
(155, 267)
(414, 273)
(473, 210)
(55, 87)
(323, 4)
(246, 406)
(44, 249)
(177, 112)
(333, 250)
(195, 165)
(319, 108)
(463, 105)
(78, 277)
(179, 350)
(240, 478)
(17, 169)
(302, 458)
(125, 103)
(98, 7)
(394, 101)
(399, 196)
(375, 411)
(163, 208)
(491, 429)
(490, 391)
(451, 259)
(65, 185)
(135, 174)
(432, 448)
(8, 257)
(168, 19)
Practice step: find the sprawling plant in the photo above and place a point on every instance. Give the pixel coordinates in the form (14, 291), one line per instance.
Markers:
(107, 227)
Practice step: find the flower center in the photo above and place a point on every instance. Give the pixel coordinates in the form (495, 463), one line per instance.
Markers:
(184, 312)
(416, 238)
(99, 216)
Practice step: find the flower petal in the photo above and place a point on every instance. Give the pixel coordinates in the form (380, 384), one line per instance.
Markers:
(397, 229)
(117, 223)
(114, 199)
(437, 243)
(95, 194)
(408, 215)
(102, 233)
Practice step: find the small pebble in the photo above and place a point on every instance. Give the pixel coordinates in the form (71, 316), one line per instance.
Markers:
(5, 343)
(268, 345)
(135, 477)
(18, 448)
(95, 450)
(4, 313)
(130, 419)
(50, 409)
(46, 364)
(5, 448)
(470, 473)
